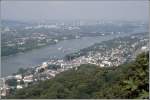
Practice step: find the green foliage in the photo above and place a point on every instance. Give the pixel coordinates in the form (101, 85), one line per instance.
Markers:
(89, 81)
(11, 82)
(21, 71)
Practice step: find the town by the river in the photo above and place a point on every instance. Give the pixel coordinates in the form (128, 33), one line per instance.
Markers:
(10, 64)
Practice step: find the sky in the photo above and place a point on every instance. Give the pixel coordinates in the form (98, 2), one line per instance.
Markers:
(72, 10)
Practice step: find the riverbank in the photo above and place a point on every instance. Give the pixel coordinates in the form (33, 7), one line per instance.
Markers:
(32, 58)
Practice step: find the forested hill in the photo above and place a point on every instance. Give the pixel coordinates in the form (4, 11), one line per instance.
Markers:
(88, 81)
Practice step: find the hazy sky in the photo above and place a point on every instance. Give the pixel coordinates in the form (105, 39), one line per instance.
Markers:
(48, 10)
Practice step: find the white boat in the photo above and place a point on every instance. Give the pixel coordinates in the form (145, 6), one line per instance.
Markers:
(60, 48)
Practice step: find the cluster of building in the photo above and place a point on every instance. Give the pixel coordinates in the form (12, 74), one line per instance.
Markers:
(106, 56)
(20, 81)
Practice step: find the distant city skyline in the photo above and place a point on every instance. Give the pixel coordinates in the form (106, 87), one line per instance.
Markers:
(74, 10)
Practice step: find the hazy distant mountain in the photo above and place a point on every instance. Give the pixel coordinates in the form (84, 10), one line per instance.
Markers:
(13, 23)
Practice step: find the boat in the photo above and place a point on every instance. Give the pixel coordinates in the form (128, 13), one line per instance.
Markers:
(60, 48)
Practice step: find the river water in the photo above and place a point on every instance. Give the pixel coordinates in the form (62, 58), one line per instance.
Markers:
(10, 64)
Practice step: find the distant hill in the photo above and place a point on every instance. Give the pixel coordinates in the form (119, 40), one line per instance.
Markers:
(13, 23)
(88, 81)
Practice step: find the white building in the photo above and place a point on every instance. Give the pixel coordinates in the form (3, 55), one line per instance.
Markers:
(28, 79)
(106, 62)
(18, 77)
(144, 48)
(44, 65)
(19, 86)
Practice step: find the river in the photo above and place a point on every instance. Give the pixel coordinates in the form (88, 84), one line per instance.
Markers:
(10, 64)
